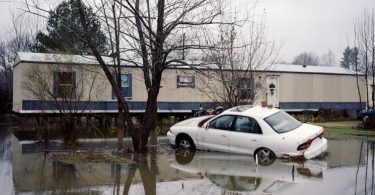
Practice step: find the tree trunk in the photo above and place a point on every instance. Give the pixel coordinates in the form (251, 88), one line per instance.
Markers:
(39, 127)
(149, 122)
(366, 77)
(120, 99)
(359, 91)
(373, 85)
(120, 131)
(70, 134)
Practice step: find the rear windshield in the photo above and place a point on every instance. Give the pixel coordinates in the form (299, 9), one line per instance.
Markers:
(282, 122)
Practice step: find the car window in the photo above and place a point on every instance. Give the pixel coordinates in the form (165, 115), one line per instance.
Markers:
(222, 122)
(282, 122)
(247, 125)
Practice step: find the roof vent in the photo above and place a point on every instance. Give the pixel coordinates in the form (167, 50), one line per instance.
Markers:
(304, 65)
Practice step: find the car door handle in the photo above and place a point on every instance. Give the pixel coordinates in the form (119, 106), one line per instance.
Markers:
(223, 136)
(254, 140)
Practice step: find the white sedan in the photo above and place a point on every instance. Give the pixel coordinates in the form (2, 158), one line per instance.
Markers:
(261, 131)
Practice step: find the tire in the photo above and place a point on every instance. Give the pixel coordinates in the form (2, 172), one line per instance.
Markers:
(185, 142)
(265, 156)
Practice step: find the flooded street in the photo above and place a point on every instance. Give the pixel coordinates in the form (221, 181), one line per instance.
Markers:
(348, 168)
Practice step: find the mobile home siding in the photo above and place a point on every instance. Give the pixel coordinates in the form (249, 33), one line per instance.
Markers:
(315, 91)
(296, 90)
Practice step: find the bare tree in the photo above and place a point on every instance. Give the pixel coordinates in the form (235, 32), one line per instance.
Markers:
(328, 59)
(306, 58)
(67, 90)
(149, 30)
(231, 76)
(365, 35)
(147, 34)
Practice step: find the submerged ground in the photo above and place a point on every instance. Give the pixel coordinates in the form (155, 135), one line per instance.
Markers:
(28, 168)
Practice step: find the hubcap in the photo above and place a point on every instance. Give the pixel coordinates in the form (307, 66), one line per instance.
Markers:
(264, 153)
(265, 156)
(185, 144)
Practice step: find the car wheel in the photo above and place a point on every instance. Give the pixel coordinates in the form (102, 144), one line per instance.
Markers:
(265, 156)
(365, 119)
(185, 142)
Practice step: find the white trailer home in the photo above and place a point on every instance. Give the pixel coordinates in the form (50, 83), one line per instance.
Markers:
(51, 82)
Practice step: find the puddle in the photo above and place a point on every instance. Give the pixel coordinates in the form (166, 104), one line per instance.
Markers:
(24, 169)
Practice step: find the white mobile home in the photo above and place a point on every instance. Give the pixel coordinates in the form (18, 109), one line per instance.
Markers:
(302, 87)
(41, 82)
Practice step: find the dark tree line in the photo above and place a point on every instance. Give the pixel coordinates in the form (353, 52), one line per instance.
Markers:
(310, 58)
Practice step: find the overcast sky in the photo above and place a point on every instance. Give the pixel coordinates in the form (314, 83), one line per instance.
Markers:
(302, 25)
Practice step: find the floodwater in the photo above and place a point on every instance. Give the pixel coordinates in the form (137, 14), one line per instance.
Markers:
(348, 168)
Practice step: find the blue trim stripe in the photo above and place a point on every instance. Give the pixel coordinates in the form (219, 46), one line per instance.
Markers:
(136, 106)
(321, 105)
(106, 105)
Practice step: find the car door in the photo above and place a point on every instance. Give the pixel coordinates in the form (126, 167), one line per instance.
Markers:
(216, 134)
(246, 135)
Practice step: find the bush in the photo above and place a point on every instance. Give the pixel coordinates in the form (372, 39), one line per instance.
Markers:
(165, 123)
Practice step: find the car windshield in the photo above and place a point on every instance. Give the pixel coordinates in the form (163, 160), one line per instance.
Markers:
(282, 122)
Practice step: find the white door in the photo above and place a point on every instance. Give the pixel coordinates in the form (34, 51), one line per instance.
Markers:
(273, 91)
(246, 135)
(216, 135)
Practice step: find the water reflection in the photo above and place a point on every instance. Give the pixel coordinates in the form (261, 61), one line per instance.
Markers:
(239, 173)
(348, 169)
(369, 170)
(6, 170)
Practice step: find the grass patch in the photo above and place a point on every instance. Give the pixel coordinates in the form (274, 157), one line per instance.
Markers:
(90, 157)
(345, 130)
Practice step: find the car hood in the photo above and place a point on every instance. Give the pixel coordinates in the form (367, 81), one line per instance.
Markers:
(193, 122)
(305, 132)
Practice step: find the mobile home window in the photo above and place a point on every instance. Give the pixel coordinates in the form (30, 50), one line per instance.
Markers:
(64, 84)
(185, 81)
(126, 85)
(246, 88)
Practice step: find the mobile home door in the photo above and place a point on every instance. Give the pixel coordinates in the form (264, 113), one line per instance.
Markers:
(273, 90)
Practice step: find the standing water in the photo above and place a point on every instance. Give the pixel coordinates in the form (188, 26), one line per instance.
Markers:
(25, 168)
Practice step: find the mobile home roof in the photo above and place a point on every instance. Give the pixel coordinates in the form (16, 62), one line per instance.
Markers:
(307, 69)
(91, 60)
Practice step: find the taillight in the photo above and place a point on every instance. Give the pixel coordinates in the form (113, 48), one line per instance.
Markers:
(305, 145)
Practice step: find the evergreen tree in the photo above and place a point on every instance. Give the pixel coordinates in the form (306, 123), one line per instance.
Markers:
(350, 58)
(346, 59)
(64, 31)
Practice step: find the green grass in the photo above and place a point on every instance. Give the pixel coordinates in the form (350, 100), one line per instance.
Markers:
(346, 130)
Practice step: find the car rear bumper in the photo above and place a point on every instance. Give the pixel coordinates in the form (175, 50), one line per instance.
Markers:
(317, 147)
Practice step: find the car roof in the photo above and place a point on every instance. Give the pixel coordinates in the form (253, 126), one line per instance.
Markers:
(246, 110)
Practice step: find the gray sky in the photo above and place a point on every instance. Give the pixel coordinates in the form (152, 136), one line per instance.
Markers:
(314, 25)
(302, 25)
